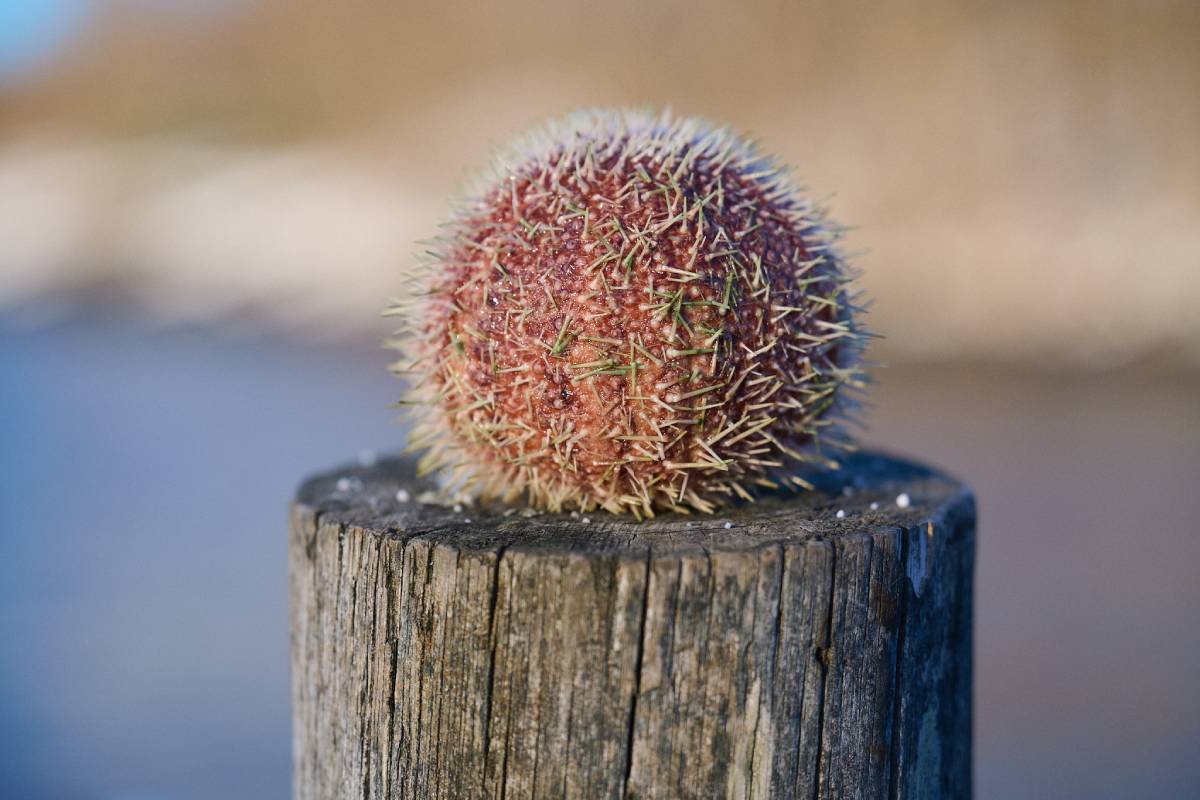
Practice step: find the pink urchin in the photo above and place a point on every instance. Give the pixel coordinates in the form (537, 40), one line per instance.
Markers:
(640, 313)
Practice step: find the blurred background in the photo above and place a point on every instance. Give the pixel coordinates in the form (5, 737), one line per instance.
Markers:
(204, 205)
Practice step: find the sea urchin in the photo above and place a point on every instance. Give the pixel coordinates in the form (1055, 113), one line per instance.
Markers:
(635, 312)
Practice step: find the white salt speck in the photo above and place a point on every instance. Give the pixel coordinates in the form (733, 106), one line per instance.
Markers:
(903, 500)
(586, 520)
(458, 508)
(690, 524)
(574, 515)
(841, 513)
(349, 484)
(728, 525)
(874, 506)
(367, 458)
(467, 520)
(403, 496)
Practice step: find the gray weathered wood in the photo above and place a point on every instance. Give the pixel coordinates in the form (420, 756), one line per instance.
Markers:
(469, 654)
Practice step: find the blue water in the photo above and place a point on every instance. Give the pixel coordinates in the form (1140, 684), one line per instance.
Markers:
(144, 480)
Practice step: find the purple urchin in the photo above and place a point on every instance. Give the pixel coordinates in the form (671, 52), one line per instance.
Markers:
(637, 312)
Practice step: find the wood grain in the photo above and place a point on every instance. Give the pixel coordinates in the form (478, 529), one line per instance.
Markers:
(773, 651)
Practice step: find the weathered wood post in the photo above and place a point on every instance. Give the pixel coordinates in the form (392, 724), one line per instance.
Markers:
(778, 650)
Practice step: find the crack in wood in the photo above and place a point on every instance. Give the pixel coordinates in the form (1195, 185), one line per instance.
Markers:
(637, 677)
(898, 682)
(491, 675)
(824, 650)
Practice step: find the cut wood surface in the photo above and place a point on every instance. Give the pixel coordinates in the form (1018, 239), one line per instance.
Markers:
(775, 650)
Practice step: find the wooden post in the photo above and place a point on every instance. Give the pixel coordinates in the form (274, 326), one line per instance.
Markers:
(815, 645)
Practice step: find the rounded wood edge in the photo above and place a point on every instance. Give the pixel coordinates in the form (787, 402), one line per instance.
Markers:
(874, 493)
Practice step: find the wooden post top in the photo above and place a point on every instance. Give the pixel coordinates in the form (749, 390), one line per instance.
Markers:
(870, 493)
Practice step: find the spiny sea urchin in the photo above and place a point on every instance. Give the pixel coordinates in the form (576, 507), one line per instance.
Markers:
(635, 312)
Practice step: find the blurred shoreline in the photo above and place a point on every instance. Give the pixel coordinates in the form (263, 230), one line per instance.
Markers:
(314, 239)
(112, 305)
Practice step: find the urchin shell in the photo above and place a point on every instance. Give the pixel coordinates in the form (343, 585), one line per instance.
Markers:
(636, 312)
